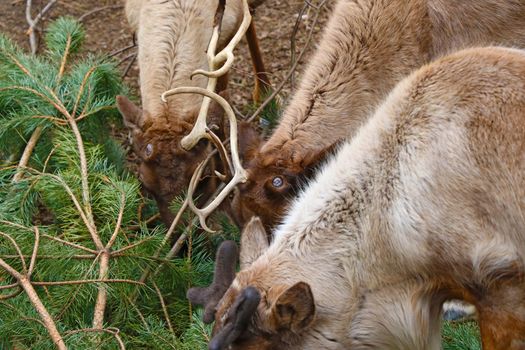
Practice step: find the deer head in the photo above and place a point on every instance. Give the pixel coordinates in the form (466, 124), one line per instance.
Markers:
(275, 176)
(256, 311)
(165, 168)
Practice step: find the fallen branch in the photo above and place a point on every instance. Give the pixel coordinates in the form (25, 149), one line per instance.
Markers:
(128, 67)
(50, 325)
(34, 21)
(98, 9)
(294, 66)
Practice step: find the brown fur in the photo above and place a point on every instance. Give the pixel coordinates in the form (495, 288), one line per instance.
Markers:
(367, 47)
(424, 204)
(173, 37)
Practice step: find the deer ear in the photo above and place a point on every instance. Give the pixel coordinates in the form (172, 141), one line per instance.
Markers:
(249, 140)
(132, 115)
(295, 308)
(314, 158)
(254, 241)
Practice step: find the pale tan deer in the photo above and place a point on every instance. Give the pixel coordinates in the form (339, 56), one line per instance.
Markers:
(424, 204)
(367, 47)
(173, 37)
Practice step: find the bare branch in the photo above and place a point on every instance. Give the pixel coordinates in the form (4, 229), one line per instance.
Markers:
(100, 280)
(131, 246)
(119, 221)
(57, 257)
(146, 222)
(9, 286)
(128, 67)
(13, 294)
(34, 21)
(37, 303)
(294, 66)
(98, 9)
(77, 246)
(100, 305)
(126, 48)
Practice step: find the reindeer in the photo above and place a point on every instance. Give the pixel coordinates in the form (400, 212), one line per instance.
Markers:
(367, 47)
(424, 204)
(173, 37)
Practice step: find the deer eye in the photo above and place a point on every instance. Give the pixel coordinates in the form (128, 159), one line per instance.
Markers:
(277, 182)
(149, 150)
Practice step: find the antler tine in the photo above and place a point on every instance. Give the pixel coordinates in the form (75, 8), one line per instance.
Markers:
(200, 129)
(223, 154)
(226, 54)
(224, 274)
(239, 173)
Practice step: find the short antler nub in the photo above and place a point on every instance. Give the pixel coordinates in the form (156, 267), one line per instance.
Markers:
(238, 318)
(209, 297)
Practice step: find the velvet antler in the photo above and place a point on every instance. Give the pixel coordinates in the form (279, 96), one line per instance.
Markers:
(209, 297)
(238, 319)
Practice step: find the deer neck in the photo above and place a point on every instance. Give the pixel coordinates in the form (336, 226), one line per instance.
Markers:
(365, 50)
(173, 39)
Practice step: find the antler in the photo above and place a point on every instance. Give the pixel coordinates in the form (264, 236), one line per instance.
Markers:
(239, 173)
(238, 319)
(224, 273)
(201, 129)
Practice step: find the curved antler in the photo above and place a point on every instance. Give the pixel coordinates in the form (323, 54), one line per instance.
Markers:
(239, 173)
(200, 129)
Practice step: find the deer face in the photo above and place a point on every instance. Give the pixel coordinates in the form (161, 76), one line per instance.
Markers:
(259, 310)
(164, 167)
(275, 176)
(258, 314)
(266, 193)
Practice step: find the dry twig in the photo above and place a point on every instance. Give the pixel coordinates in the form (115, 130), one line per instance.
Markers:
(34, 21)
(318, 9)
(98, 9)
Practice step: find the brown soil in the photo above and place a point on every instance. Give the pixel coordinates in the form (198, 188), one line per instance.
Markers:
(107, 31)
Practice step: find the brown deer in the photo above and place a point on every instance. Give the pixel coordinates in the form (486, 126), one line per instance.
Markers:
(367, 47)
(173, 37)
(424, 204)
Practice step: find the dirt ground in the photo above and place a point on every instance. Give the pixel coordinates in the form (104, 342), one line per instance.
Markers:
(107, 31)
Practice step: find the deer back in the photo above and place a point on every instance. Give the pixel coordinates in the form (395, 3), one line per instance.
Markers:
(424, 204)
(366, 48)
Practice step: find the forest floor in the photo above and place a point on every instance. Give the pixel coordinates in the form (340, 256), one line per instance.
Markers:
(107, 31)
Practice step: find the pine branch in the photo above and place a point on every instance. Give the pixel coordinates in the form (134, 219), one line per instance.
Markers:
(111, 330)
(50, 325)
(164, 309)
(28, 151)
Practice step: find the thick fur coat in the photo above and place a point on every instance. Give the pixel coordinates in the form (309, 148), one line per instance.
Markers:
(173, 37)
(367, 47)
(424, 204)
